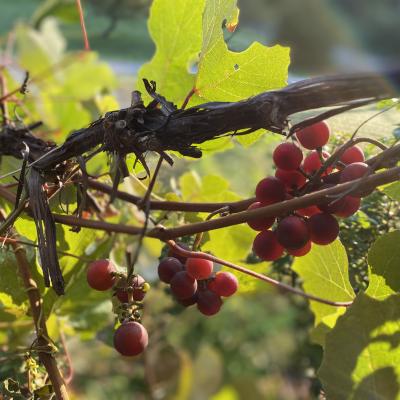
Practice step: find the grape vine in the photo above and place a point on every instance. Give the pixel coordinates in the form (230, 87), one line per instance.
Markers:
(318, 187)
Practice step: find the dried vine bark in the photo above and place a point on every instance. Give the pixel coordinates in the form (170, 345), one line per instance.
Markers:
(138, 129)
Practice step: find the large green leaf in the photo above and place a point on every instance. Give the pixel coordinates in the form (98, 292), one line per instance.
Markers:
(324, 271)
(225, 75)
(392, 190)
(362, 353)
(212, 188)
(184, 30)
(175, 26)
(384, 266)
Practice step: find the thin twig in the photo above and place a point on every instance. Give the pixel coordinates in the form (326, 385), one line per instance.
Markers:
(83, 26)
(71, 372)
(395, 104)
(171, 205)
(277, 209)
(38, 316)
(146, 203)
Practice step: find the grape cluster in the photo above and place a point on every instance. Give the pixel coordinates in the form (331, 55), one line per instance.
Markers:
(192, 281)
(296, 232)
(130, 338)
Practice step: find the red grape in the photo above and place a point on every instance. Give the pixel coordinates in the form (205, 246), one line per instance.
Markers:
(292, 179)
(270, 190)
(199, 268)
(122, 295)
(224, 284)
(183, 285)
(267, 247)
(324, 228)
(348, 207)
(287, 156)
(100, 274)
(352, 154)
(137, 291)
(189, 301)
(308, 211)
(168, 268)
(302, 251)
(208, 302)
(354, 171)
(261, 223)
(312, 163)
(292, 232)
(314, 136)
(344, 207)
(131, 338)
(137, 283)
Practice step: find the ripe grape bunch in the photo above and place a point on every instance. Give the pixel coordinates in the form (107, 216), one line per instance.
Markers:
(294, 174)
(192, 281)
(130, 338)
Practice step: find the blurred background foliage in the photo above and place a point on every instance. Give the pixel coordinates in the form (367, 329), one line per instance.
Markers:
(258, 346)
(323, 35)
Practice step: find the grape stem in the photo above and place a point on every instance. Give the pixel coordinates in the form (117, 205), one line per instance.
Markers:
(199, 254)
(335, 157)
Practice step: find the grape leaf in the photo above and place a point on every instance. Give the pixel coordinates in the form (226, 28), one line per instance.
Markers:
(64, 10)
(362, 353)
(87, 309)
(384, 266)
(175, 27)
(234, 244)
(195, 189)
(71, 267)
(71, 80)
(392, 190)
(38, 50)
(10, 282)
(222, 75)
(324, 271)
(88, 77)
